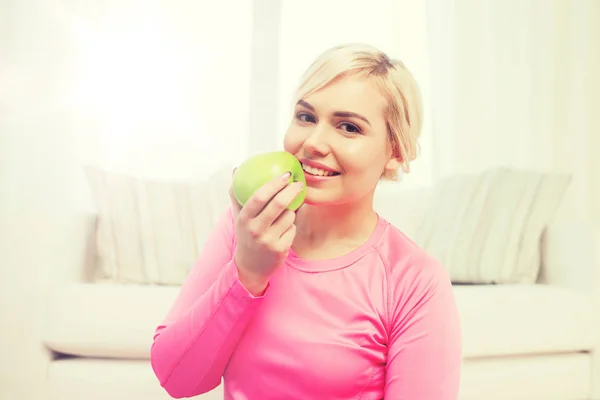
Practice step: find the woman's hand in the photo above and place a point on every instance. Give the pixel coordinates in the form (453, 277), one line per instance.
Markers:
(265, 231)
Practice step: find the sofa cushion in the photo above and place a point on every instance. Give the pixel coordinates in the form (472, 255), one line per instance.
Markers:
(101, 379)
(486, 227)
(150, 231)
(523, 319)
(118, 321)
(105, 319)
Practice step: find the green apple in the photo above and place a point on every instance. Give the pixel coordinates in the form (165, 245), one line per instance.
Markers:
(258, 170)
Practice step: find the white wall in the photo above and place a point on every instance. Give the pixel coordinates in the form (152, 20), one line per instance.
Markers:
(143, 88)
(593, 50)
(515, 84)
(183, 90)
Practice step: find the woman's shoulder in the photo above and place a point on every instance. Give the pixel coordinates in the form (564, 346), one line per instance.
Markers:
(406, 262)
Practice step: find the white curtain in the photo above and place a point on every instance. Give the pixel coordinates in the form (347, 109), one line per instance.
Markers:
(166, 89)
(151, 88)
(516, 83)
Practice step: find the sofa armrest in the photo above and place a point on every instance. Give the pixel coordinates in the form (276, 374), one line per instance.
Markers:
(570, 256)
(37, 250)
(75, 251)
(40, 248)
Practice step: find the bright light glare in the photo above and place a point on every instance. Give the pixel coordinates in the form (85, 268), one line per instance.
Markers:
(130, 75)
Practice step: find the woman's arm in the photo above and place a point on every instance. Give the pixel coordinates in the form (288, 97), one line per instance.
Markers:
(194, 343)
(425, 351)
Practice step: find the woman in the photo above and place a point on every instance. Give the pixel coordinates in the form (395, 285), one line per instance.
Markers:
(331, 301)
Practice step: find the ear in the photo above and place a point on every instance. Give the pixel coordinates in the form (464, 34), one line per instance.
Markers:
(393, 164)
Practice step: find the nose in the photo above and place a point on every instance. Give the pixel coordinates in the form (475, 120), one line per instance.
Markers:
(315, 143)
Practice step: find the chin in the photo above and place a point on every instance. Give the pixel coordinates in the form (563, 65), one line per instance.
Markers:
(317, 197)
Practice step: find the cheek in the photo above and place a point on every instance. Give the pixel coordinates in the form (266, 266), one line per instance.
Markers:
(364, 163)
(359, 156)
(292, 140)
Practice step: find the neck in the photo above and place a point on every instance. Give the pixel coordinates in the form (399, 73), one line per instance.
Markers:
(346, 222)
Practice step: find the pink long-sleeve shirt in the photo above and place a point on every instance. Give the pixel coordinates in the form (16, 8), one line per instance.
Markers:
(379, 322)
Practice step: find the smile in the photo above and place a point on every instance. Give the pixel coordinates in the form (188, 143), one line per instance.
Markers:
(317, 171)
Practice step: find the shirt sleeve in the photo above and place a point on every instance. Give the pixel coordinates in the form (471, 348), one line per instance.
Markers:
(425, 349)
(192, 346)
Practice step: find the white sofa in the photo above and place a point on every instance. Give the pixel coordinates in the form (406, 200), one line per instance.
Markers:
(520, 341)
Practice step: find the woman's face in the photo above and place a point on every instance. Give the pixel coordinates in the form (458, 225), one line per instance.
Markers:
(339, 135)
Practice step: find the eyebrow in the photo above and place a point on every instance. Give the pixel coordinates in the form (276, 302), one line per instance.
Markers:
(306, 105)
(343, 114)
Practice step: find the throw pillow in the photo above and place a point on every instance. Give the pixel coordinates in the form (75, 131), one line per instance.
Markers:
(150, 232)
(486, 228)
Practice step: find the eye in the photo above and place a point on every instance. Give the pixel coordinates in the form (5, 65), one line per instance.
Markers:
(305, 117)
(350, 128)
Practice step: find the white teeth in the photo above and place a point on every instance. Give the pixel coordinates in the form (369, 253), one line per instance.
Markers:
(316, 171)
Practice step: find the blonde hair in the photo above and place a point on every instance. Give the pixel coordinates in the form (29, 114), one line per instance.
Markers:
(404, 111)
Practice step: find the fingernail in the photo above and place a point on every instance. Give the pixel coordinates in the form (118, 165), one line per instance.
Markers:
(286, 176)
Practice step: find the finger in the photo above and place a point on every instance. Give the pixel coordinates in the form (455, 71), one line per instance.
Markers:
(287, 239)
(279, 242)
(282, 223)
(263, 195)
(279, 204)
